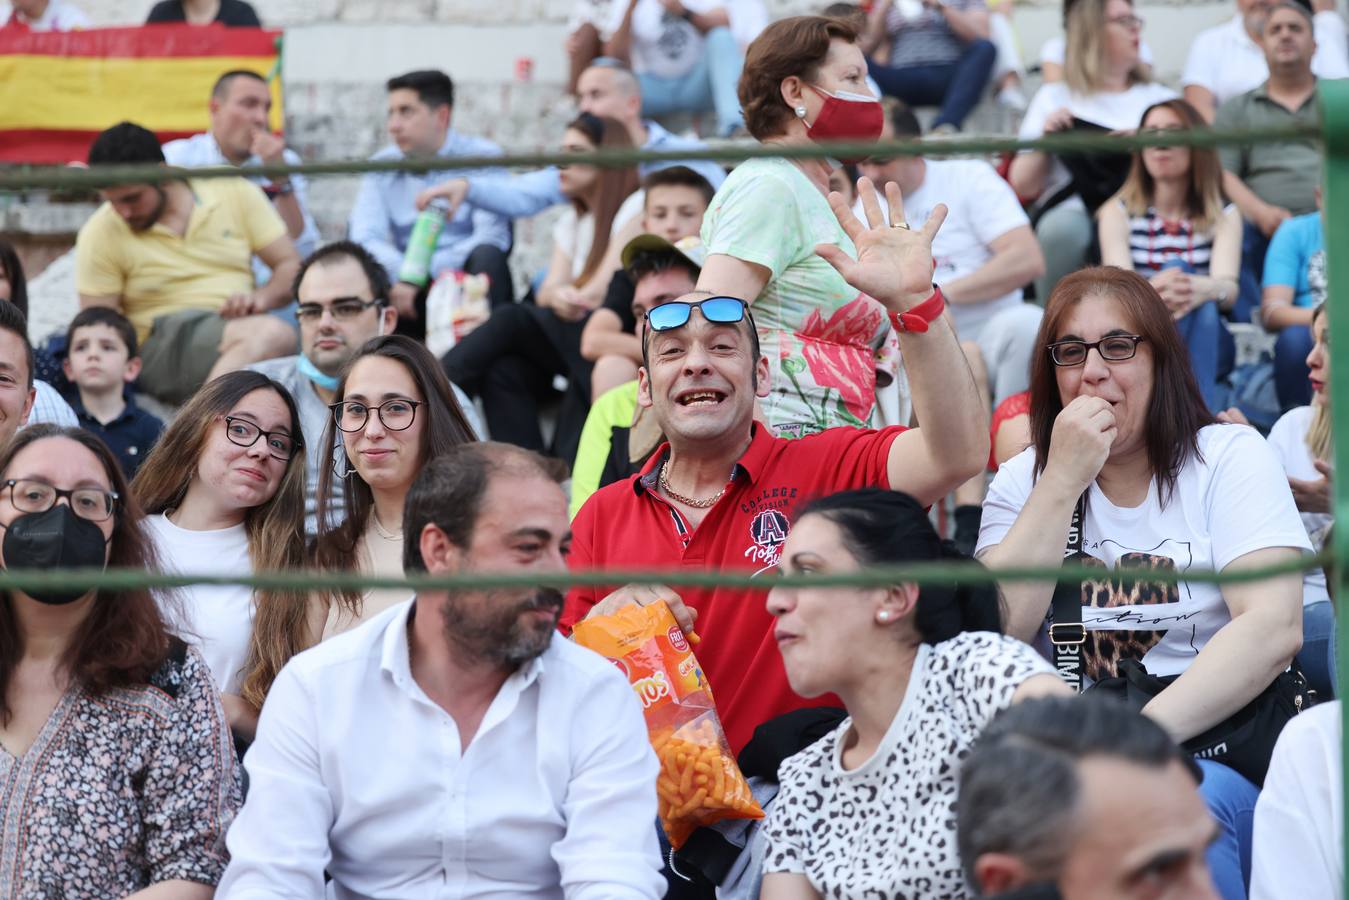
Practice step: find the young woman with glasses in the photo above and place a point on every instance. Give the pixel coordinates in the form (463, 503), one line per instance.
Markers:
(115, 770)
(223, 493)
(1118, 421)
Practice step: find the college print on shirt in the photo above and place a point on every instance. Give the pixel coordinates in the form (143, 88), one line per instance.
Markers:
(1131, 599)
(768, 525)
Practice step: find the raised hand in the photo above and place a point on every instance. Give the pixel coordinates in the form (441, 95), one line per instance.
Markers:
(894, 262)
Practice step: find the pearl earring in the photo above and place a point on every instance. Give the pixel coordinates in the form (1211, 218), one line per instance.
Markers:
(883, 615)
(800, 112)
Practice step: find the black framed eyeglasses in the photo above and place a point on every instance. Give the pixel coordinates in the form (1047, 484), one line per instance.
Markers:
(1115, 348)
(396, 414)
(676, 313)
(244, 433)
(343, 309)
(30, 496)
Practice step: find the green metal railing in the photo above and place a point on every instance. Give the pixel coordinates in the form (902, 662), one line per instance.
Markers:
(1333, 133)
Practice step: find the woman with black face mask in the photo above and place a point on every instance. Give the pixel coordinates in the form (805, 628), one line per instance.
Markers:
(117, 775)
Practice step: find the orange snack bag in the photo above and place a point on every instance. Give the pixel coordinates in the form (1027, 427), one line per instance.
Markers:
(699, 782)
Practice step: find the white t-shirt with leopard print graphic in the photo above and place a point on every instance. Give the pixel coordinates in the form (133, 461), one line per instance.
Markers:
(1231, 501)
(888, 827)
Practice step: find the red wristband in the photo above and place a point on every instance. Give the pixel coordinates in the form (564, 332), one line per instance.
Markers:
(917, 318)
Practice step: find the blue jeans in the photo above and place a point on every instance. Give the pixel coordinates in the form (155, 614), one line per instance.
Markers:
(1231, 802)
(1253, 247)
(1292, 378)
(1316, 659)
(956, 87)
(710, 85)
(1212, 348)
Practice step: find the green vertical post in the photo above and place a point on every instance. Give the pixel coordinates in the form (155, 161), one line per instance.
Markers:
(1334, 96)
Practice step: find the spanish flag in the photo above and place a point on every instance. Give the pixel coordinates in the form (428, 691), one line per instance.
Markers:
(59, 90)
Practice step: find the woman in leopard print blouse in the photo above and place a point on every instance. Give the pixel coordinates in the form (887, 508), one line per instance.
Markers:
(117, 773)
(869, 810)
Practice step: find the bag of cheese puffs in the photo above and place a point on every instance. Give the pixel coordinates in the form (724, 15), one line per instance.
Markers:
(699, 782)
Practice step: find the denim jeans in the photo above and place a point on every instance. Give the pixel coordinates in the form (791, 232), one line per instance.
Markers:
(1253, 247)
(1212, 349)
(1292, 378)
(1231, 801)
(956, 87)
(710, 85)
(1316, 659)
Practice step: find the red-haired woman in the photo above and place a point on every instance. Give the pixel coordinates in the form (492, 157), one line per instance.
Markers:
(117, 771)
(1117, 420)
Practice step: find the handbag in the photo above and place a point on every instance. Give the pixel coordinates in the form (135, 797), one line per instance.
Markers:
(1244, 741)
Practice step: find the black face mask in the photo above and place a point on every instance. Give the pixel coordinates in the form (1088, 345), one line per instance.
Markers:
(55, 539)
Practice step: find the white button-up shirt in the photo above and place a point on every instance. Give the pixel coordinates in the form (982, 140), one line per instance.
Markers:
(1227, 62)
(356, 771)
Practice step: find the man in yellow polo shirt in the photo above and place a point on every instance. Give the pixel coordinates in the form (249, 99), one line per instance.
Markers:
(175, 258)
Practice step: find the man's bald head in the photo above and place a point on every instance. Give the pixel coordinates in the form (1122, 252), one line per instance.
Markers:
(609, 89)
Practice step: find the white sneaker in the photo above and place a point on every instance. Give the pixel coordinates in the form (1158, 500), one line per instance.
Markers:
(1011, 98)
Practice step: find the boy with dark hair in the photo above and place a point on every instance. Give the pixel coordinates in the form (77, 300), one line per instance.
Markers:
(101, 362)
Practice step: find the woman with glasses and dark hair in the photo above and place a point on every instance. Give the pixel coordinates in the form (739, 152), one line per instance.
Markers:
(116, 772)
(512, 359)
(1120, 432)
(223, 493)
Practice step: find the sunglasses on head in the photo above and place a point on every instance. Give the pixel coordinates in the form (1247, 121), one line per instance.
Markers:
(676, 313)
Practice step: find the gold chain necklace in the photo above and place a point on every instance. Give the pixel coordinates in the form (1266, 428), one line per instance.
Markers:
(687, 501)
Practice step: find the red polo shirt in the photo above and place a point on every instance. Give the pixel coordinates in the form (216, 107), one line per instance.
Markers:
(628, 525)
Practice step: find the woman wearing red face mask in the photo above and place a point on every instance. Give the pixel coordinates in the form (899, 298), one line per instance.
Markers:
(804, 82)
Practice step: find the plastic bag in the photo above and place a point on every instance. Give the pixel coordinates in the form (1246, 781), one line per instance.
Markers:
(456, 304)
(699, 782)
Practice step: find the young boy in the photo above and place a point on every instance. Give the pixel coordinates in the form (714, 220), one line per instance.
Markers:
(676, 199)
(101, 362)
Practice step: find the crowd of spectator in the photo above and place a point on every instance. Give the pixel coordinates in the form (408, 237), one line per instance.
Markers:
(789, 366)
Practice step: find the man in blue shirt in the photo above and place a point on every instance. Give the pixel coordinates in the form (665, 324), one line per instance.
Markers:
(473, 239)
(607, 88)
(1294, 283)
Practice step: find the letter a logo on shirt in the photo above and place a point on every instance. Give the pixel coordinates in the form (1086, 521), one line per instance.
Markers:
(768, 531)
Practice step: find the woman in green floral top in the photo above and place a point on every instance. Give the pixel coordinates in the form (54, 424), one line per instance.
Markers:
(820, 335)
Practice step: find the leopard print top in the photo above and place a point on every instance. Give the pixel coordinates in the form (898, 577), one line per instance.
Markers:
(887, 829)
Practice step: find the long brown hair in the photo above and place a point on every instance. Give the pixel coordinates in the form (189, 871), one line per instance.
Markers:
(1203, 197)
(1176, 410)
(616, 184)
(124, 638)
(275, 528)
(1083, 56)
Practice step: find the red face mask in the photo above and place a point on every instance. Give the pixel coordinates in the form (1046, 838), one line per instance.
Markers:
(846, 116)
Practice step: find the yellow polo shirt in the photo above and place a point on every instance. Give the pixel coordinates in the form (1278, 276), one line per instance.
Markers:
(156, 272)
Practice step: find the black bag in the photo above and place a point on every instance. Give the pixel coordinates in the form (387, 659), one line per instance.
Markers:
(1243, 741)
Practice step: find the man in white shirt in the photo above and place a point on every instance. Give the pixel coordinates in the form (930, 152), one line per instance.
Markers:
(687, 54)
(43, 15)
(456, 745)
(241, 135)
(1229, 59)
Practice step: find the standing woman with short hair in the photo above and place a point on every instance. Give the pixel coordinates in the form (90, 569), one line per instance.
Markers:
(117, 778)
(223, 493)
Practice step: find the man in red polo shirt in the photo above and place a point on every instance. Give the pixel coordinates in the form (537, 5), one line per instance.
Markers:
(720, 494)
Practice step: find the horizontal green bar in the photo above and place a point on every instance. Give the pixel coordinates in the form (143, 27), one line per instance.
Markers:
(918, 573)
(31, 177)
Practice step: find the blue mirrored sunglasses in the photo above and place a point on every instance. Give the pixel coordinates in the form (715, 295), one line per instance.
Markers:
(717, 310)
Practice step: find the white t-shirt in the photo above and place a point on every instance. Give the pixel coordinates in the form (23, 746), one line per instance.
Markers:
(1288, 437)
(982, 207)
(1232, 503)
(1298, 838)
(575, 233)
(888, 827)
(1115, 111)
(217, 619)
(58, 16)
(667, 46)
(1052, 51)
(1228, 63)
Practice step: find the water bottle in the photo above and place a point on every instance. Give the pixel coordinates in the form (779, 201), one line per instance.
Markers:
(416, 267)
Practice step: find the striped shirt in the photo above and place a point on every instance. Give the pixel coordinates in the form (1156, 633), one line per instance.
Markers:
(1155, 241)
(922, 38)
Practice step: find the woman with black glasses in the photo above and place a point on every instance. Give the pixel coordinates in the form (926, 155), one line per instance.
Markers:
(116, 778)
(223, 493)
(1119, 426)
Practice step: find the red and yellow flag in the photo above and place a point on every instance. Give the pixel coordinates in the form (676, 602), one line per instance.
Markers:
(59, 90)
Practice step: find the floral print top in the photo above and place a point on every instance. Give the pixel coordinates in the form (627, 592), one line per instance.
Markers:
(822, 338)
(122, 790)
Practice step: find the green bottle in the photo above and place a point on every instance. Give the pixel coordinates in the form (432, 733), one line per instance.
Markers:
(416, 267)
